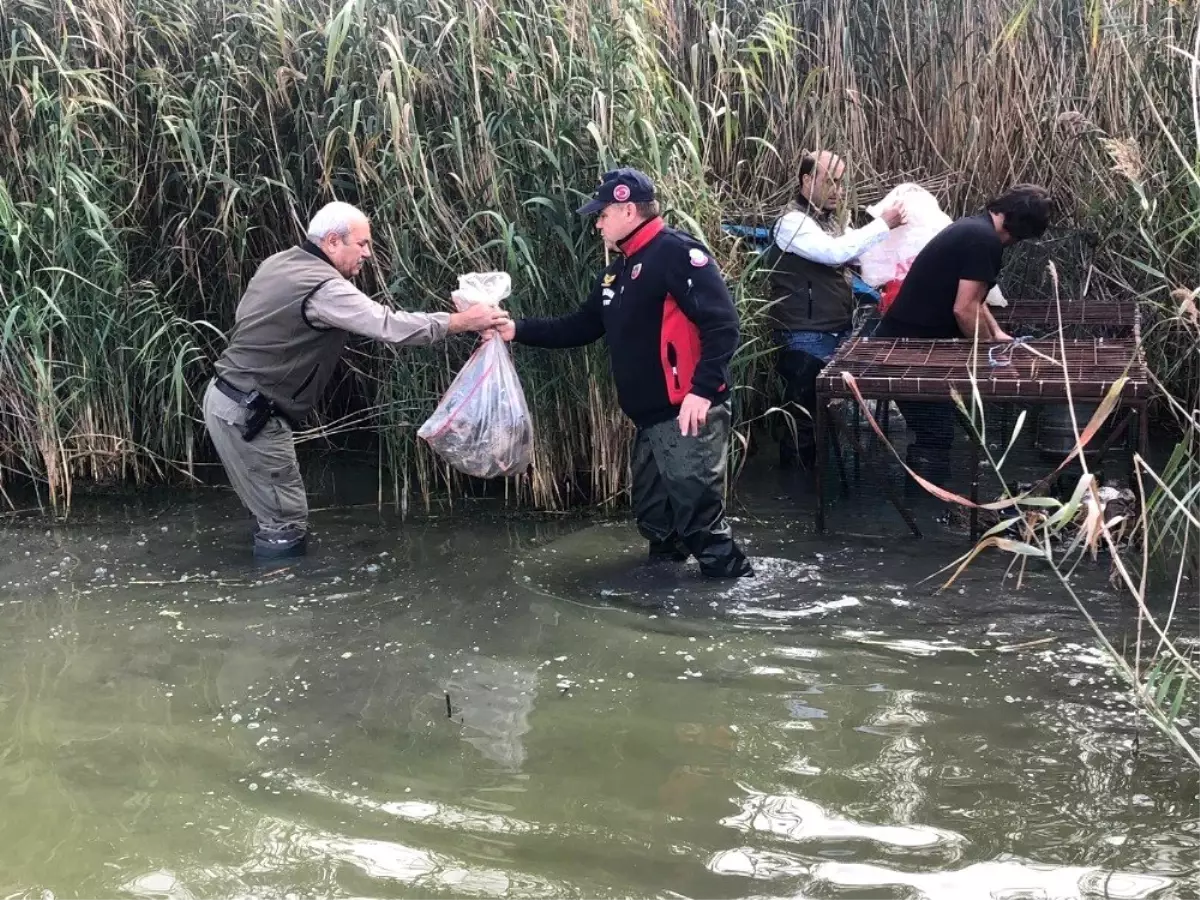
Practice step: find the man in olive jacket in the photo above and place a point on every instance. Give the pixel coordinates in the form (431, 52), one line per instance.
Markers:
(289, 331)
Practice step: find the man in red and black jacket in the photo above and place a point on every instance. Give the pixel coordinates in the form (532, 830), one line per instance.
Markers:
(671, 328)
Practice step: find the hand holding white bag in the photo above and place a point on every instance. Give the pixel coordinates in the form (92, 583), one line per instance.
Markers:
(482, 425)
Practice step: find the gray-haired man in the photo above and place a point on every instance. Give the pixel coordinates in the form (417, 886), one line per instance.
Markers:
(289, 331)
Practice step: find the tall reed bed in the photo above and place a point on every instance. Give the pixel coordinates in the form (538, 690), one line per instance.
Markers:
(154, 152)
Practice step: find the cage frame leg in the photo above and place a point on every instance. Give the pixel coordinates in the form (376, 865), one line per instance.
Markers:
(819, 425)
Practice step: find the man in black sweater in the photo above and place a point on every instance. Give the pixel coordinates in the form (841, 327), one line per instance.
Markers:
(671, 329)
(943, 296)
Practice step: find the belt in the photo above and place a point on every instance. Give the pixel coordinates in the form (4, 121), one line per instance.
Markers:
(239, 397)
(230, 391)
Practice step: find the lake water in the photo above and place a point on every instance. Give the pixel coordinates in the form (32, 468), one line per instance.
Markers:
(484, 705)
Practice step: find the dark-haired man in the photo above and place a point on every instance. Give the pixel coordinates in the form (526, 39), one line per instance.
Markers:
(671, 328)
(943, 296)
(812, 301)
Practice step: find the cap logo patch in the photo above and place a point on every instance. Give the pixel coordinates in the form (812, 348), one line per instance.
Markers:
(621, 193)
(697, 258)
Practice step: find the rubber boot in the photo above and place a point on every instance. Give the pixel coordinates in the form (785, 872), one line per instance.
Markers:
(723, 558)
(288, 544)
(667, 551)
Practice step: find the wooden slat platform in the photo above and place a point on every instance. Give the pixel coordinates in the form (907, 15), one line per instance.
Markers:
(910, 369)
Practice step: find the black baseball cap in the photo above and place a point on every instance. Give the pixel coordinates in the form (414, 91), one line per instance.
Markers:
(619, 186)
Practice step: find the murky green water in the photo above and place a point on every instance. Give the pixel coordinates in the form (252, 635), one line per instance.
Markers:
(175, 723)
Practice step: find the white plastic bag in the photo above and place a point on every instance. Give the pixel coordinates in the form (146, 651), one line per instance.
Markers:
(482, 425)
(488, 288)
(891, 258)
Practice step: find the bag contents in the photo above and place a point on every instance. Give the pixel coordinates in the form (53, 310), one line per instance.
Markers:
(482, 425)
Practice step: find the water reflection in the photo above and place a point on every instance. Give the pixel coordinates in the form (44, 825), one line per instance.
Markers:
(159, 885)
(904, 766)
(168, 732)
(799, 820)
(493, 700)
(439, 815)
(1007, 880)
(284, 845)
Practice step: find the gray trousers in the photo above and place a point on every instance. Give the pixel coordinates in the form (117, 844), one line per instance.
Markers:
(264, 471)
(679, 493)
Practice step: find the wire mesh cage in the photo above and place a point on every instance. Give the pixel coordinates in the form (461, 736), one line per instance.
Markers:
(1017, 428)
(1081, 319)
(1027, 271)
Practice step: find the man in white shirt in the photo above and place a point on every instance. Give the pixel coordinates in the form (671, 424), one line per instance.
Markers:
(812, 301)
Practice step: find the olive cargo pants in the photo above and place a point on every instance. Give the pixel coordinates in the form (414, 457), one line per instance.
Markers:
(264, 472)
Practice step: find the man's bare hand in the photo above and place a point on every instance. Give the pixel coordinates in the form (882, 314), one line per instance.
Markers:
(999, 335)
(693, 413)
(894, 215)
(507, 331)
(479, 317)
